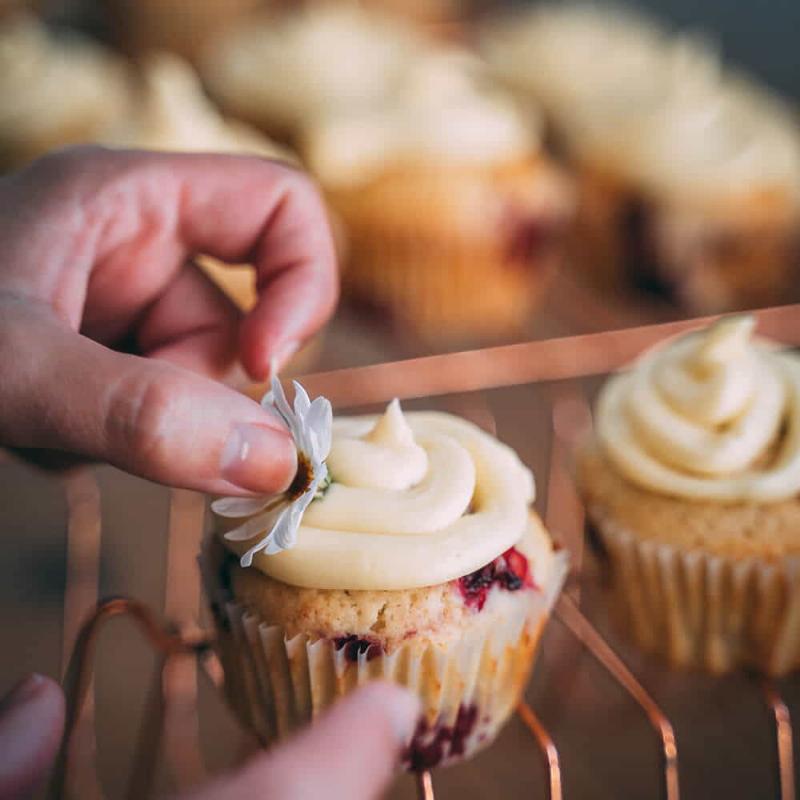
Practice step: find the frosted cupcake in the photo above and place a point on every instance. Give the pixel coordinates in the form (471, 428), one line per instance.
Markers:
(453, 214)
(692, 484)
(597, 71)
(281, 70)
(418, 560)
(688, 175)
(55, 90)
(719, 178)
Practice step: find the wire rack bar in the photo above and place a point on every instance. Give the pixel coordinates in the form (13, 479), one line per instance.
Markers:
(783, 739)
(585, 632)
(546, 745)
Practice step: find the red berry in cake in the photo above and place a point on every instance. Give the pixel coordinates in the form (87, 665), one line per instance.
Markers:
(510, 571)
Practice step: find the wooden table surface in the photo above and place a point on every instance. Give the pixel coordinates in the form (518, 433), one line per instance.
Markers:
(147, 537)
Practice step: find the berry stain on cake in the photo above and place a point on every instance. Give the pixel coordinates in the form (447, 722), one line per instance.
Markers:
(510, 571)
(430, 747)
(354, 646)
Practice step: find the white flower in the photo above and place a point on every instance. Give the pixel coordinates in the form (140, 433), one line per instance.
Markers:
(278, 516)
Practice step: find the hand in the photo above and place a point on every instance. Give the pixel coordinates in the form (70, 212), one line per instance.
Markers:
(96, 252)
(349, 754)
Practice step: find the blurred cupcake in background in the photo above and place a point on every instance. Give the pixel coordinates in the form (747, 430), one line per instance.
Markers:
(692, 483)
(454, 216)
(719, 184)
(595, 71)
(55, 90)
(279, 70)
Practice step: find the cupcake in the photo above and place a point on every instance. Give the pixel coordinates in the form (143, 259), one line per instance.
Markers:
(718, 179)
(596, 71)
(280, 70)
(418, 561)
(55, 90)
(453, 215)
(691, 482)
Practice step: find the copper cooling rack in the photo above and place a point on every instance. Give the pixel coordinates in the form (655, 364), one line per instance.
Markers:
(170, 725)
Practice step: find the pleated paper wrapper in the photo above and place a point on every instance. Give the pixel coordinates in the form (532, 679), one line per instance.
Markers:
(703, 610)
(276, 684)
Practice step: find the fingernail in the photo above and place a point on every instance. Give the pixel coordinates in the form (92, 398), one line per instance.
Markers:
(24, 691)
(258, 458)
(283, 353)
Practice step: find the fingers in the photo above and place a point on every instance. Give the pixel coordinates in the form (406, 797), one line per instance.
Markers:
(297, 281)
(193, 324)
(109, 237)
(64, 391)
(31, 723)
(349, 754)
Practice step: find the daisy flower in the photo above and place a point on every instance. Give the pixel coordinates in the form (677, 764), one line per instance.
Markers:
(276, 518)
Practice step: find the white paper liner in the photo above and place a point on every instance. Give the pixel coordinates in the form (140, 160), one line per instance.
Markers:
(702, 610)
(468, 689)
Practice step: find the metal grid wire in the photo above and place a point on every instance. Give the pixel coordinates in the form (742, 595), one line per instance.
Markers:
(170, 728)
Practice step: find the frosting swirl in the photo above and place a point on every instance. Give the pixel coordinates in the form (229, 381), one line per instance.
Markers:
(65, 87)
(172, 113)
(416, 500)
(445, 107)
(714, 415)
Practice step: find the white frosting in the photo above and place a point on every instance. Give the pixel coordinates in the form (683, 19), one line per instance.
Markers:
(734, 139)
(416, 500)
(290, 67)
(594, 67)
(174, 114)
(445, 108)
(62, 89)
(712, 416)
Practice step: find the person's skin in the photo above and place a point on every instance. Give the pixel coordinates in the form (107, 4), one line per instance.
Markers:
(95, 253)
(350, 753)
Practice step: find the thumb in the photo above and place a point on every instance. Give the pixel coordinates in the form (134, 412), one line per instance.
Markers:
(63, 391)
(349, 754)
(31, 723)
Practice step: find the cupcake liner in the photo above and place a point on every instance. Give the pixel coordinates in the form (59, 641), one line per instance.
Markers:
(445, 285)
(277, 684)
(703, 610)
(455, 251)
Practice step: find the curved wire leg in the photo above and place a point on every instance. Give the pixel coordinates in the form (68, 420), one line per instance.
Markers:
(783, 739)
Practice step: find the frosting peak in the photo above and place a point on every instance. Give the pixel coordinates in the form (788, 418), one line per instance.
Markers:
(712, 416)
(385, 457)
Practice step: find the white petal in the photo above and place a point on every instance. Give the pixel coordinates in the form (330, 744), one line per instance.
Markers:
(284, 534)
(301, 401)
(265, 543)
(280, 401)
(239, 506)
(320, 421)
(260, 524)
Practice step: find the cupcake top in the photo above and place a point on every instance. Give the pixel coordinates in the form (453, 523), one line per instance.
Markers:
(415, 500)
(173, 113)
(714, 415)
(593, 67)
(56, 85)
(697, 146)
(285, 68)
(445, 107)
